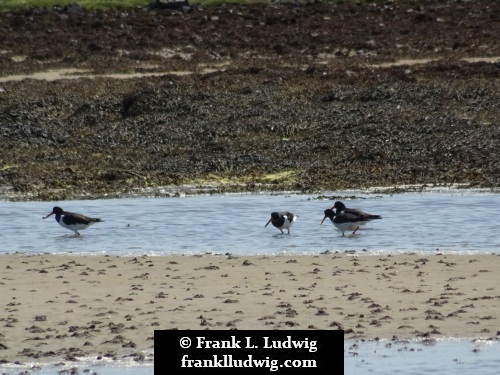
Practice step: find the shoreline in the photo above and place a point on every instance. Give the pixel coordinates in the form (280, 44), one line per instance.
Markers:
(180, 191)
(63, 307)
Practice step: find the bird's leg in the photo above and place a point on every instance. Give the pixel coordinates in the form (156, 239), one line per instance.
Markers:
(355, 230)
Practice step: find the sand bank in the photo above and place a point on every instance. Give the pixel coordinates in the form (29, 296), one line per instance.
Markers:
(56, 307)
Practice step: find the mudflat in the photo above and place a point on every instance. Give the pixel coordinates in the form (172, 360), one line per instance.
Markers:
(303, 97)
(63, 307)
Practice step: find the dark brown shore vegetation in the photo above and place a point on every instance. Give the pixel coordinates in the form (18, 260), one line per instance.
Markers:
(303, 96)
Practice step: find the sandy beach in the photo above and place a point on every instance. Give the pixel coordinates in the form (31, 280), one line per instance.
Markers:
(62, 307)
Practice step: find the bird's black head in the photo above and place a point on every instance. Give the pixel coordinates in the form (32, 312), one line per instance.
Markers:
(275, 216)
(58, 211)
(329, 213)
(339, 206)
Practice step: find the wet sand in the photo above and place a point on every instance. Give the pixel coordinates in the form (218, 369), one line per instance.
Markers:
(64, 307)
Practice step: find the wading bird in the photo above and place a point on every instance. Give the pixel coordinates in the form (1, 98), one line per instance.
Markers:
(72, 221)
(282, 220)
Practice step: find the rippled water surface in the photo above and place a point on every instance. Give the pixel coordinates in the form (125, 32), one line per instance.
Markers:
(459, 221)
(445, 221)
(457, 357)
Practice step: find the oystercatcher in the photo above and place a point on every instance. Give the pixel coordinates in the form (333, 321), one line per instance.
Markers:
(344, 221)
(72, 221)
(282, 220)
(340, 207)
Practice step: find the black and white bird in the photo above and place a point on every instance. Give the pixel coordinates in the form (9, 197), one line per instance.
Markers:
(340, 207)
(282, 220)
(72, 221)
(344, 221)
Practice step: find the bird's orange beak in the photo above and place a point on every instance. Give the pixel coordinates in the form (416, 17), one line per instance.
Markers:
(322, 220)
(52, 213)
(267, 223)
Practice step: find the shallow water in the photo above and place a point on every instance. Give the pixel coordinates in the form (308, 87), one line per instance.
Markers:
(89, 367)
(457, 221)
(458, 357)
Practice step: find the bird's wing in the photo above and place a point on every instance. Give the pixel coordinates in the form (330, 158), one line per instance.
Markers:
(70, 218)
(289, 216)
(350, 217)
